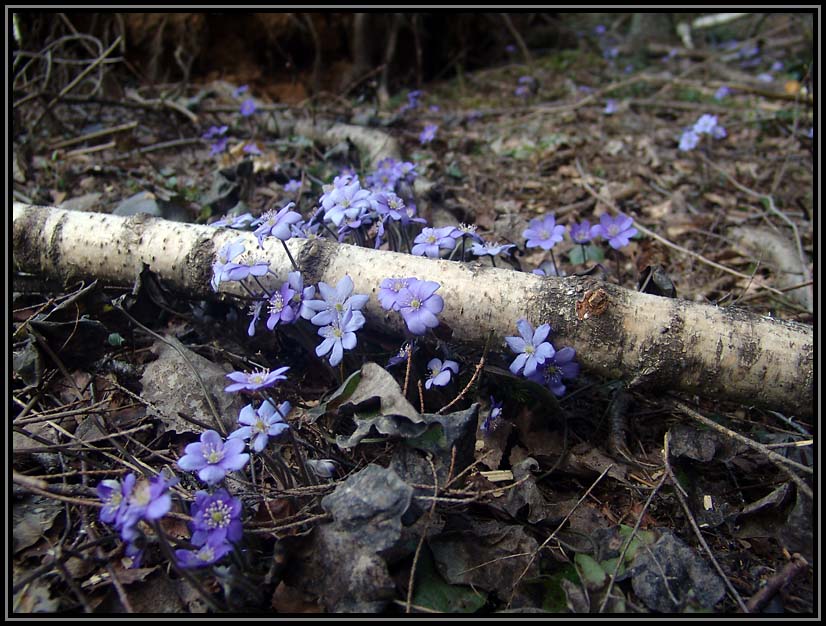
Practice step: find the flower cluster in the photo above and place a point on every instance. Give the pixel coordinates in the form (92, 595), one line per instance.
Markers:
(216, 133)
(415, 299)
(338, 312)
(127, 503)
(537, 359)
(527, 86)
(706, 125)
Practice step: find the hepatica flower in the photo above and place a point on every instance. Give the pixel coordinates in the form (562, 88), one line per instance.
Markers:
(419, 305)
(543, 232)
(722, 93)
(280, 307)
(258, 425)
(440, 372)
(216, 518)
(428, 134)
(490, 248)
(389, 289)
(610, 107)
(277, 224)
(225, 261)
(340, 335)
(431, 240)
(689, 140)
(209, 553)
(581, 232)
(531, 348)
(492, 421)
(212, 458)
(335, 301)
(560, 366)
(247, 107)
(292, 186)
(345, 202)
(261, 379)
(617, 230)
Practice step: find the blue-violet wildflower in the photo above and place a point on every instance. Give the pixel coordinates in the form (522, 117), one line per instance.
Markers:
(212, 457)
(531, 348)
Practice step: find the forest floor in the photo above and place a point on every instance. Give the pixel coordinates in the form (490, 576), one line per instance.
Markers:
(604, 499)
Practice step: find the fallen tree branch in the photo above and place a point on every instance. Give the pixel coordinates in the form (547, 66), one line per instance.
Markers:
(650, 341)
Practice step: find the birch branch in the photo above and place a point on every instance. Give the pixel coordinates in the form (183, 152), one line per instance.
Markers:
(650, 341)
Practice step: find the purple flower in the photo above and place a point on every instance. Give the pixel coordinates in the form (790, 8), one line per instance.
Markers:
(492, 420)
(258, 425)
(340, 335)
(434, 108)
(689, 140)
(300, 295)
(531, 348)
(440, 373)
(510, 48)
(207, 554)
(216, 518)
(226, 268)
(148, 500)
(599, 29)
(560, 366)
(277, 224)
(431, 240)
(777, 66)
(765, 77)
(617, 230)
(239, 91)
(247, 107)
(543, 232)
(419, 305)
(212, 458)
(522, 91)
(113, 494)
(581, 233)
(218, 147)
(335, 301)
(256, 380)
(705, 124)
(280, 309)
(722, 92)
(292, 185)
(466, 230)
(401, 355)
(428, 134)
(610, 107)
(346, 201)
(389, 289)
(215, 131)
(255, 309)
(228, 221)
(490, 249)
(252, 148)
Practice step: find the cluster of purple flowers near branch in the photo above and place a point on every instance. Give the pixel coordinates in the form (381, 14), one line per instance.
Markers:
(384, 212)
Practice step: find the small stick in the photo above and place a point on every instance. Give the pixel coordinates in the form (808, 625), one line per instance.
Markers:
(680, 491)
(776, 582)
(422, 538)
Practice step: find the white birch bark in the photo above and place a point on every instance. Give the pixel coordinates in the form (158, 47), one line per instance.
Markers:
(647, 340)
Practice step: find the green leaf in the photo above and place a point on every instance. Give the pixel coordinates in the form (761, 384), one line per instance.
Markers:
(432, 592)
(590, 572)
(554, 599)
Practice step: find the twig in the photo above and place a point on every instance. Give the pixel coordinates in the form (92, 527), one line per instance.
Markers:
(769, 201)
(218, 422)
(479, 366)
(519, 41)
(773, 456)
(410, 581)
(557, 529)
(680, 491)
(776, 582)
(94, 135)
(627, 544)
(615, 209)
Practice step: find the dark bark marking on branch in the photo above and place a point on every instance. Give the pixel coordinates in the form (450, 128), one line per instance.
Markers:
(25, 251)
(313, 259)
